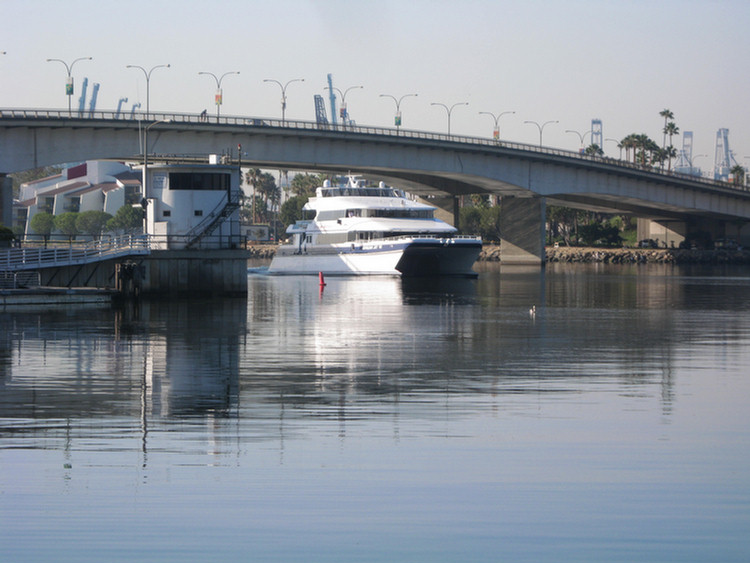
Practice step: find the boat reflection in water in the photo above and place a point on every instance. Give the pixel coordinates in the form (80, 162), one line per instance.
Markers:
(305, 425)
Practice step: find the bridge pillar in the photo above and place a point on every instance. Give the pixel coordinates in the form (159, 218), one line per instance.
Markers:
(522, 230)
(6, 200)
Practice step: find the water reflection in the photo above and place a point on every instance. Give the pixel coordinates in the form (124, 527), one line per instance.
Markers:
(375, 339)
(386, 408)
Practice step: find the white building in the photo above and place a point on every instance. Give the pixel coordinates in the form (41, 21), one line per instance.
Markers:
(91, 186)
(193, 205)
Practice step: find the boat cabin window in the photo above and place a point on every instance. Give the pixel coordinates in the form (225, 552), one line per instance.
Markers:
(351, 191)
(331, 215)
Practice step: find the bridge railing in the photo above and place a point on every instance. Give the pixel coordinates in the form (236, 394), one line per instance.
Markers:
(254, 122)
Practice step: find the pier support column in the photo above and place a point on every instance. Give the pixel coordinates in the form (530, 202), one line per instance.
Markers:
(522, 230)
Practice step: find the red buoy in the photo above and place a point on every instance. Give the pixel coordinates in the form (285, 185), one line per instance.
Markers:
(320, 279)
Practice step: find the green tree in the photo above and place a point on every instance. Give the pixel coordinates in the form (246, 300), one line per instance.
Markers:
(598, 233)
(128, 219)
(671, 129)
(66, 224)
(31, 175)
(305, 184)
(594, 150)
(629, 144)
(738, 175)
(264, 186)
(92, 223)
(470, 220)
(489, 224)
(291, 210)
(42, 224)
(667, 115)
(6, 236)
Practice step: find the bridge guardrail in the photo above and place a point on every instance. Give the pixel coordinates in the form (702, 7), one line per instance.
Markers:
(249, 121)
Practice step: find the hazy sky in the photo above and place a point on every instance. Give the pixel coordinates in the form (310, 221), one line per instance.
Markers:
(574, 60)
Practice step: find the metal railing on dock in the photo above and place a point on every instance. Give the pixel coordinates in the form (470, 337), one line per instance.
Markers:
(32, 258)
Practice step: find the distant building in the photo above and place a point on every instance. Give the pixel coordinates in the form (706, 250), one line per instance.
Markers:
(94, 185)
(195, 205)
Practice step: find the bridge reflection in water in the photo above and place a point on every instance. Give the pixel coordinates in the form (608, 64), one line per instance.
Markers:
(386, 419)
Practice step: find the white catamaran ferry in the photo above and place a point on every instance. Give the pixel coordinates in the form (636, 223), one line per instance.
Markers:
(361, 230)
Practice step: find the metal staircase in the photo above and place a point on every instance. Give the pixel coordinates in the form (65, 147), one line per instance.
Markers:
(213, 220)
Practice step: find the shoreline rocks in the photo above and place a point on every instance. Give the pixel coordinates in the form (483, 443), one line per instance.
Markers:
(647, 255)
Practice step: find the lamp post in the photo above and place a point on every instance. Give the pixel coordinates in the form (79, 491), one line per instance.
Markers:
(619, 145)
(397, 118)
(541, 128)
(496, 130)
(582, 137)
(147, 74)
(146, 194)
(342, 111)
(219, 95)
(283, 94)
(449, 111)
(690, 161)
(69, 83)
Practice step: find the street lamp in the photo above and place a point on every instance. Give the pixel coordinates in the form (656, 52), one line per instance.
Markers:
(148, 80)
(582, 137)
(219, 97)
(283, 94)
(541, 128)
(449, 111)
(69, 70)
(397, 118)
(690, 161)
(496, 130)
(146, 195)
(342, 111)
(619, 145)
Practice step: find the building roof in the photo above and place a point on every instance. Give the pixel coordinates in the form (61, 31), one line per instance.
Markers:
(129, 175)
(62, 189)
(41, 180)
(108, 186)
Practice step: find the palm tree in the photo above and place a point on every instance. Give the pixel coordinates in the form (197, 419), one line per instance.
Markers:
(738, 173)
(644, 148)
(671, 130)
(667, 115)
(629, 143)
(252, 177)
(670, 152)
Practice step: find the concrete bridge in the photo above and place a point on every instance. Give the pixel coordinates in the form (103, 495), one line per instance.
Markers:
(526, 177)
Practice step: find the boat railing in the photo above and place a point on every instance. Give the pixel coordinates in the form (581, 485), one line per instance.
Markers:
(423, 236)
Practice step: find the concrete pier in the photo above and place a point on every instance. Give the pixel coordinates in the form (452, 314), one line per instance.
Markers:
(522, 230)
(210, 272)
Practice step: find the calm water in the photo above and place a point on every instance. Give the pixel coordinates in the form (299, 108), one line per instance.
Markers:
(385, 421)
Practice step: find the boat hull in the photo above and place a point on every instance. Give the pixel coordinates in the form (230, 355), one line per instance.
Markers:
(411, 257)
